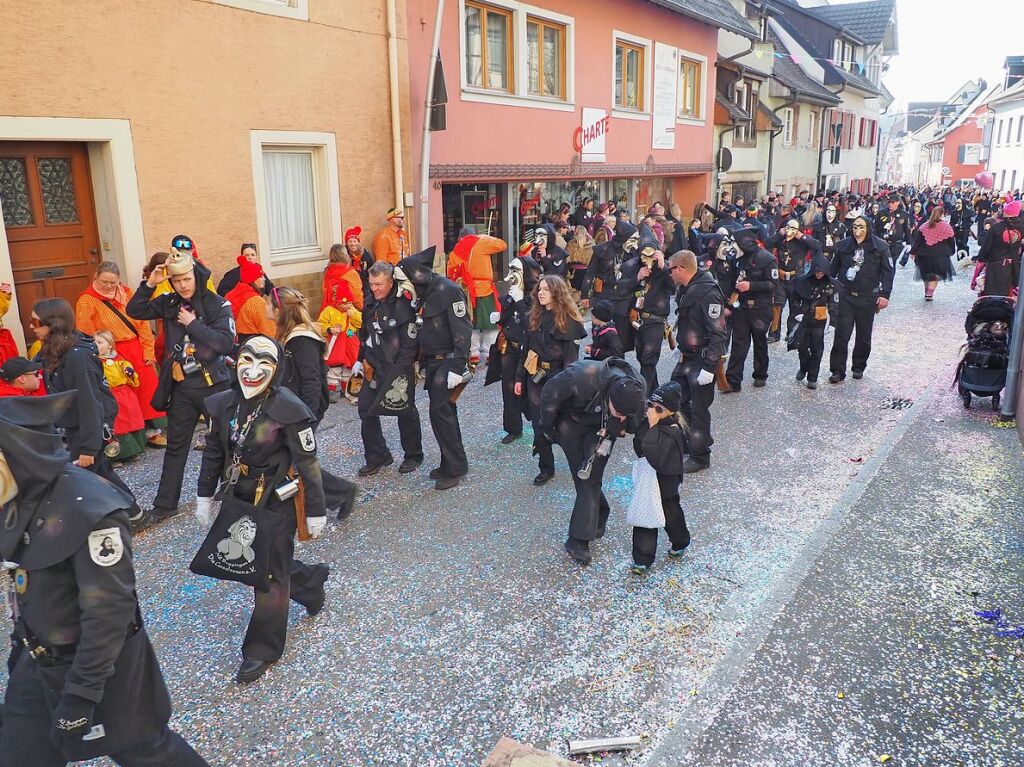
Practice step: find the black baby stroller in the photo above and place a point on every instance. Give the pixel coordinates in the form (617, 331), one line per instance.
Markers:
(982, 371)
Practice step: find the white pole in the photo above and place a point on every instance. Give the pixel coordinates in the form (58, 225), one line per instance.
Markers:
(423, 220)
(396, 114)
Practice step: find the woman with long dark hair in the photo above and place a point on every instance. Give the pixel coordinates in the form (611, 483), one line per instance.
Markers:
(70, 361)
(934, 244)
(553, 330)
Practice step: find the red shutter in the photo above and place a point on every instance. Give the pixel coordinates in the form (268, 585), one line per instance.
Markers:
(863, 128)
(849, 130)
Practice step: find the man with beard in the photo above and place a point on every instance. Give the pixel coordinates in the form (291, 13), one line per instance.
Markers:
(757, 277)
(863, 270)
(444, 339)
(84, 679)
(793, 250)
(504, 358)
(829, 230)
(701, 336)
(585, 408)
(645, 278)
(387, 352)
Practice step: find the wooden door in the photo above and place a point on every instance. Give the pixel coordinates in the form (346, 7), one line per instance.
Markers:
(50, 219)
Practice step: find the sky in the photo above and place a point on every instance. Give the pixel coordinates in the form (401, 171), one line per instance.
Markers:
(944, 44)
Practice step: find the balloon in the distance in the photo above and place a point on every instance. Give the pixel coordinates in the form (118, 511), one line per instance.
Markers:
(985, 179)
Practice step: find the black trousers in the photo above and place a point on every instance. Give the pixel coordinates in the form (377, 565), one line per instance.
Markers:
(375, 447)
(749, 326)
(26, 740)
(444, 420)
(290, 580)
(590, 510)
(541, 446)
(696, 408)
(811, 348)
(625, 328)
(188, 402)
(787, 293)
(100, 466)
(645, 539)
(648, 350)
(511, 405)
(854, 313)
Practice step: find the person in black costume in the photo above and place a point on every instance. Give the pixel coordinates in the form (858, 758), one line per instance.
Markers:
(506, 356)
(894, 227)
(756, 278)
(199, 330)
(599, 280)
(864, 270)
(829, 230)
(606, 341)
(812, 295)
(585, 408)
(444, 339)
(387, 354)
(553, 329)
(81, 662)
(627, 237)
(306, 377)
(645, 278)
(257, 437)
(70, 362)
(793, 250)
(660, 438)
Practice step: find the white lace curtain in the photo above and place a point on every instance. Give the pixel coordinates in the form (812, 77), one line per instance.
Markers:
(291, 199)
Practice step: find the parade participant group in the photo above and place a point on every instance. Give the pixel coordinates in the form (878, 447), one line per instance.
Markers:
(245, 373)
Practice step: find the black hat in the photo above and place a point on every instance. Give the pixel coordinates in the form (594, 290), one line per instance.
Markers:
(647, 239)
(18, 366)
(627, 396)
(419, 267)
(668, 395)
(30, 442)
(602, 310)
(894, 197)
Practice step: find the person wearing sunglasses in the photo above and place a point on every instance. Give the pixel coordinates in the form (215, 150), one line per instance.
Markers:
(793, 250)
(864, 272)
(392, 242)
(660, 440)
(248, 254)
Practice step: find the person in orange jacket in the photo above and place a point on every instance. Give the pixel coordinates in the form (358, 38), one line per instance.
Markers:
(248, 304)
(392, 242)
(470, 265)
(341, 270)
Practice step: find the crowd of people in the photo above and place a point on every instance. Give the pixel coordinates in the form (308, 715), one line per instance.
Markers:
(127, 370)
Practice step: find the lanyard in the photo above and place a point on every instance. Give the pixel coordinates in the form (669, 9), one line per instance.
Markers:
(238, 435)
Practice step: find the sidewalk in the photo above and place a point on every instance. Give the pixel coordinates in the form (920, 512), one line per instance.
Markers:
(879, 653)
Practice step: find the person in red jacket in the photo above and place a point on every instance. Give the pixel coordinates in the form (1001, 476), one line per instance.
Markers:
(19, 377)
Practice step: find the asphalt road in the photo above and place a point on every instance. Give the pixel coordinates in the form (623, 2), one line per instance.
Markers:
(454, 618)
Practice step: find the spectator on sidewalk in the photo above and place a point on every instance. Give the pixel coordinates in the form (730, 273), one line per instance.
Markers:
(19, 377)
(392, 242)
(233, 275)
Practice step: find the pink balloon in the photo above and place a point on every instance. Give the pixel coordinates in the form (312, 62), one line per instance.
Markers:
(985, 179)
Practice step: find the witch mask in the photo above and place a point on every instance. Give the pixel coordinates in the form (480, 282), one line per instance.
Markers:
(515, 279)
(257, 363)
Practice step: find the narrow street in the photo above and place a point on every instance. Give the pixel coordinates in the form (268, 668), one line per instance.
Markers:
(454, 618)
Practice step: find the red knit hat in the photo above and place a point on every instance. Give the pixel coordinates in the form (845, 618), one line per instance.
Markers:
(248, 272)
(342, 291)
(355, 231)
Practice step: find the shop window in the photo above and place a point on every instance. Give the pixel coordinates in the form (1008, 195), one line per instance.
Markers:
(545, 58)
(629, 76)
(690, 87)
(488, 47)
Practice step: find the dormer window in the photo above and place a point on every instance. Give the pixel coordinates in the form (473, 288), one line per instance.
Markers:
(842, 53)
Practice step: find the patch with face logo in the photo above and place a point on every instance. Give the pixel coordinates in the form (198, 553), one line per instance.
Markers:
(307, 440)
(459, 308)
(714, 311)
(256, 365)
(105, 546)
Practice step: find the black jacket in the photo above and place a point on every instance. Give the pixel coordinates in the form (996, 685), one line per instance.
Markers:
(893, 227)
(663, 447)
(388, 334)
(606, 342)
(793, 254)
(446, 329)
(212, 332)
(655, 289)
(701, 328)
(95, 406)
(824, 230)
(874, 278)
(305, 370)
(601, 267)
(760, 270)
(810, 292)
(556, 349)
(580, 393)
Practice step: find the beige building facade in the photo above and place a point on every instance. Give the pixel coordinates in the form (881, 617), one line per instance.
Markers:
(231, 121)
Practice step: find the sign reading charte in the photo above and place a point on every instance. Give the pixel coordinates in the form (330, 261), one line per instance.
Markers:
(588, 139)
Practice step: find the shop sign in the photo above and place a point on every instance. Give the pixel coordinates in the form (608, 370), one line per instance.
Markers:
(588, 139)
(666, 76)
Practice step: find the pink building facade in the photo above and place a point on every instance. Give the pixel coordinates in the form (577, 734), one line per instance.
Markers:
(548, 104)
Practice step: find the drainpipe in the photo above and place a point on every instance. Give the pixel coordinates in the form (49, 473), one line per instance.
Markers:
(1009, 408)
(396, 114)
(771, 139)
(425, 147)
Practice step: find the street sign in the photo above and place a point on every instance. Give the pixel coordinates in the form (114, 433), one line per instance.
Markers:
(945, 171)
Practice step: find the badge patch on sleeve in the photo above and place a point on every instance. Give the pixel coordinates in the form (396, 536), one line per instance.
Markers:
(307, 440)
(775, 274)
(714, 311)
(413, 329)
(106, 547)
(459, 307)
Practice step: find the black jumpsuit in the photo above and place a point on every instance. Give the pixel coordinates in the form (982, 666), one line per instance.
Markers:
(513, 333)
(663, 448)
(649, 310)
(752, 318)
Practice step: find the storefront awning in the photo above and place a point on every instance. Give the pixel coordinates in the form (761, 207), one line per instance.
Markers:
(573, 170)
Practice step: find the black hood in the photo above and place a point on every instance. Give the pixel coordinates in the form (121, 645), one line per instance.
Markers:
(278, 379)
(419, 267)
(532, 272)
(623, 231)
(647, 239)
(819, 264)
(747, 240)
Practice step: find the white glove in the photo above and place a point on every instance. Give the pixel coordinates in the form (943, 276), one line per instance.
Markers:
(204, 511)
(357, 369)
(676, 356)
(495, 316)
(454, 379)
(516, 293)
(799, 318)
(705, 377)
(316, 525)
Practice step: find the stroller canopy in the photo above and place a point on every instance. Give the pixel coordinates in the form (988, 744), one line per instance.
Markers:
(989, 309)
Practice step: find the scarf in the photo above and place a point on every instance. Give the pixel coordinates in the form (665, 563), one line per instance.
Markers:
(118, 299)
(937, 233)
(238, 296)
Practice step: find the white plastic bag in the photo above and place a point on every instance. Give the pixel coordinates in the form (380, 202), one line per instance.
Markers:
(645, 509)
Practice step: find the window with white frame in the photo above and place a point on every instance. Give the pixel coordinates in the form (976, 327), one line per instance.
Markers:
(1020, 129)
(629, 75)
(545, 58)
(289, 9)
(812, 128)
(297, 194)
(691, 74)
(787, 126)
(489, 49)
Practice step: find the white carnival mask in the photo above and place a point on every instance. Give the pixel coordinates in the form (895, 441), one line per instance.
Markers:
(632, 243)
(404, 284)
(8, 485)
(515, 279)
(830, 214)
(257, 363)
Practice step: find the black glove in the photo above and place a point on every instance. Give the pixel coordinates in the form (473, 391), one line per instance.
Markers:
(71, 720)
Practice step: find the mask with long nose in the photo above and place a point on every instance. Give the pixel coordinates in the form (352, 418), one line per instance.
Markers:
(515, 279)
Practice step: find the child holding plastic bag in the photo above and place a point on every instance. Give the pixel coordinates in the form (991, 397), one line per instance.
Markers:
(659, 444)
